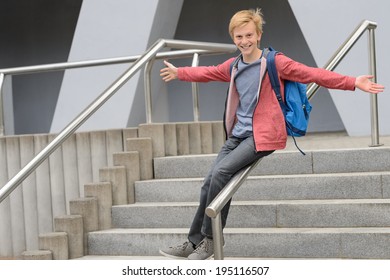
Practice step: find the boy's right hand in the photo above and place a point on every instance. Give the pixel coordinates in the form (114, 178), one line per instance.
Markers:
(168, 73)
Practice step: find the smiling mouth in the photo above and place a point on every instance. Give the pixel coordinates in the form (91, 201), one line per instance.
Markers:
(246, 47)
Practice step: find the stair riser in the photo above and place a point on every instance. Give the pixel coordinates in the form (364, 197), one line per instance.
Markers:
(273, 188)
(363, 160)
(132, 244)
(260, 245)
(340, 215)
(198, 166)
(318, 245)
(263, 215)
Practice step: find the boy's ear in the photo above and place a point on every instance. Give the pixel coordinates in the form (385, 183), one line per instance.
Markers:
(259, 35)
(259, 38)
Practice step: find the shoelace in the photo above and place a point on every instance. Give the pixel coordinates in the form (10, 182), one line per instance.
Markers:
(205, 244)
(183, 246)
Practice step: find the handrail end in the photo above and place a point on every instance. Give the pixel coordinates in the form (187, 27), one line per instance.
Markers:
(370, 24)
(211, 212)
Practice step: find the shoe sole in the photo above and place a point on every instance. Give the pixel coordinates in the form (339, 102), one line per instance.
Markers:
(203, 259)
(212, 256)
(172, 256)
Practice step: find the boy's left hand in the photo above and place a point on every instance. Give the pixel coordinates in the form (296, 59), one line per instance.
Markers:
(364, 83)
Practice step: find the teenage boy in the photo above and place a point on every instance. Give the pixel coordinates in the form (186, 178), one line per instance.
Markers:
(253, 121)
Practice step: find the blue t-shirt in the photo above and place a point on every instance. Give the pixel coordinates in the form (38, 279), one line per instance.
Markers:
(247, 81)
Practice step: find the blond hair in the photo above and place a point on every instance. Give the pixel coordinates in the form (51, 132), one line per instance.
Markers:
(241, 18)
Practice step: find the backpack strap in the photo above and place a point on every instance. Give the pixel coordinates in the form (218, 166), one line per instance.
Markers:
(273, 76)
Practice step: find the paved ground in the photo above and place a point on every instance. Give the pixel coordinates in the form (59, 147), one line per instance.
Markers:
(335, 140)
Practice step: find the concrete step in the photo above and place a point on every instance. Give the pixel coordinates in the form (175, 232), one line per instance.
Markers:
(282, 213)
(284, 162)
(274, 187)
(352, 243)
(137, 258)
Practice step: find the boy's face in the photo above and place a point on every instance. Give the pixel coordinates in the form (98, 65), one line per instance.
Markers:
(246, 38)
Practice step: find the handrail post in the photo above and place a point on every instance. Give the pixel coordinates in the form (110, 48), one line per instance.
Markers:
(2, 125)
(215, 207)
(373, 97)
(195, 90)
(216, 224)
(148, 90)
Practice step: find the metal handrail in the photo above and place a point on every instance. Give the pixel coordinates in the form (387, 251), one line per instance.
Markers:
(341, 53)
(97, 62)
(2, 78)
(215, 207)
(198, 48)
(150, 54)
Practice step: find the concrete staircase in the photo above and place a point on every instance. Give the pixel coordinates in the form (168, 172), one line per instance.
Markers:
(126, 193)
(327, 204)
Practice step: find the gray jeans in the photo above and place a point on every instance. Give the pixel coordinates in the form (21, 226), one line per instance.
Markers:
(235, 154)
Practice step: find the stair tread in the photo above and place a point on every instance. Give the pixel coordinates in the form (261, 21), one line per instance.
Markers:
(295, 152)
(264, 202)
(248, 230)
(151, 257)
(283, 176)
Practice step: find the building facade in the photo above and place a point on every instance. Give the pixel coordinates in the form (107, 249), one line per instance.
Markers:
(47, 31)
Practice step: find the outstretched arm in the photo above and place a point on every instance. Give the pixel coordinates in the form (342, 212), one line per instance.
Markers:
(295, 71)
(364, 83)
(200, 74)
(168, 73)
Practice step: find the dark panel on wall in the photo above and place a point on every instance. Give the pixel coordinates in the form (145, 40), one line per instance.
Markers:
(36, 32)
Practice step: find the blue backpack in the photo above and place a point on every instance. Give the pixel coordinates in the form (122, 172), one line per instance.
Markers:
(296, 108)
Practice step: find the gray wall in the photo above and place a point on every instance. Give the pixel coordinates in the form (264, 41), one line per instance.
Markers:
(35, 32)
(108, 29)
(43, 31)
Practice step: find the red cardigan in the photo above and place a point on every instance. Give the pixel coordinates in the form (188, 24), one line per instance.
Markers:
(269, 131)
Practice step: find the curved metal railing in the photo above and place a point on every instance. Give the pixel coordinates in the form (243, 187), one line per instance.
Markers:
(369, 26)
(215, 207)
(194, 49)
(139, 61)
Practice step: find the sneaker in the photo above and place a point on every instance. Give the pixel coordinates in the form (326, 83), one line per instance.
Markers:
(203, 251)
(179, 252)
